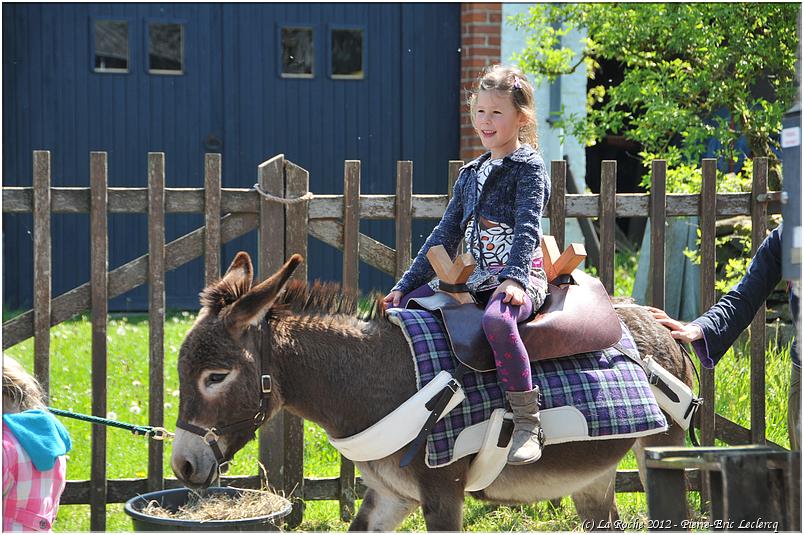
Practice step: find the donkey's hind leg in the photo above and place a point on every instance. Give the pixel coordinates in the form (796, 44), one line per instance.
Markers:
(595, 503)
(673, 437)
(381, 512)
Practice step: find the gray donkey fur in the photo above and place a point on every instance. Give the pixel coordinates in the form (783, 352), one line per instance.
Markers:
(345, 373)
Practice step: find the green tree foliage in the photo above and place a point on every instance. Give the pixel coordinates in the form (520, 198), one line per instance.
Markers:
(692, 72)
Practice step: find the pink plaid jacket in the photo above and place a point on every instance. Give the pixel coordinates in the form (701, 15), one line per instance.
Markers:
(30, 497)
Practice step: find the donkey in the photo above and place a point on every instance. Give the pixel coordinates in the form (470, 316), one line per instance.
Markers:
(345, 373)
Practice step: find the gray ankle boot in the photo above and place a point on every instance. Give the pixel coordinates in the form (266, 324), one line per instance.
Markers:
(527, 439)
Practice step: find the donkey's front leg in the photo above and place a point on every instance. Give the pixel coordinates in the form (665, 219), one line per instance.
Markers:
(442, 505)
(443, 513)
(381, 512)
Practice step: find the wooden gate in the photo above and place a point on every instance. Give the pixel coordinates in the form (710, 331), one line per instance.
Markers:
(284, 219)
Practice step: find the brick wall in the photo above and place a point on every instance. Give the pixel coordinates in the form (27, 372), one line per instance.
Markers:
(480, 47)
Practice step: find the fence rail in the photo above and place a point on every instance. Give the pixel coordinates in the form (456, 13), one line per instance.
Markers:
(333, 219)
(75, 200)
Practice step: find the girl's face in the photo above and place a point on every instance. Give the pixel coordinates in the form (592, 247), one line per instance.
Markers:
(497, 122)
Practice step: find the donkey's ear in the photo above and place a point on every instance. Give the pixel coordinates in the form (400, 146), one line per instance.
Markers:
(240, 272)
(251, 308)
(234, 284)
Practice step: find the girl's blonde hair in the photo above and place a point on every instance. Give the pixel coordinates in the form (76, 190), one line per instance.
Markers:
(509, 80)
(21, 391)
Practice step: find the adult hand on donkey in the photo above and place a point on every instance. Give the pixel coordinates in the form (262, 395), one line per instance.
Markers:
(686, 333)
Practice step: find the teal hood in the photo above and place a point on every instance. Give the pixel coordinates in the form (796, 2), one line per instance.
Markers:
(41, 435)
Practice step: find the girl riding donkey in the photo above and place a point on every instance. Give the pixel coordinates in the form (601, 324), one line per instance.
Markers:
(497, 207)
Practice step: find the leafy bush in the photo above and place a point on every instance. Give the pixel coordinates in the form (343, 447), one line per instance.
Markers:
(692, 72)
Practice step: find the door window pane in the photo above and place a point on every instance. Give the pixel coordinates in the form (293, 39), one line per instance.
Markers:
(297, 52)
(165, 48)
(347, 53)
(111, 46)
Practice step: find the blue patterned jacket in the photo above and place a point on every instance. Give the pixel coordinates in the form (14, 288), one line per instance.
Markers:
(515, 193)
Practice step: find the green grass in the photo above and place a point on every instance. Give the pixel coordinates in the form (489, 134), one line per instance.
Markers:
(128, 401)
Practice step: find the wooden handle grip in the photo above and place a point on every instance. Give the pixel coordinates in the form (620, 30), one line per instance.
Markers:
(556, 264)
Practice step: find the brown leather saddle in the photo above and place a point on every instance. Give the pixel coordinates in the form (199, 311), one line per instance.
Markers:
(575, 318)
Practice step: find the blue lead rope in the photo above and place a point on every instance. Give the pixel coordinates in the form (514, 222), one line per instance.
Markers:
(156, 433)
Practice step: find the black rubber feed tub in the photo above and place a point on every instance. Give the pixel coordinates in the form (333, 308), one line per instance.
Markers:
(174, 498)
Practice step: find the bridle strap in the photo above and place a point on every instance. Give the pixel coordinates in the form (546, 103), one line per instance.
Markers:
(187, 426)
(212, 434)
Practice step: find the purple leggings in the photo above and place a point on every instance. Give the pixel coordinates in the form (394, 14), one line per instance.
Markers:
(500, 325)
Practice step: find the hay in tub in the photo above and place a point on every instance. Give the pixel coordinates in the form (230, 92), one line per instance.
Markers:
(216, 507)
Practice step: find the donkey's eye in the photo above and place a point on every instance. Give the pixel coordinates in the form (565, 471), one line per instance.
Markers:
(214, 378)
(212, 383)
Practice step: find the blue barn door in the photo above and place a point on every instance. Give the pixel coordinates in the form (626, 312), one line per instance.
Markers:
(230, 97)
(404, 107)
(55, 100)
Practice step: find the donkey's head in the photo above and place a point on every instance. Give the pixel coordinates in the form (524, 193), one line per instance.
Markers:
(225, 389)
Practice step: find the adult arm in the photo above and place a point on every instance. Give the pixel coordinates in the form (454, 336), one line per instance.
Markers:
(723, 323)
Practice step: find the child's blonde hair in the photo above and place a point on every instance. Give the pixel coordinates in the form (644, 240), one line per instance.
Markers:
(21, 391)
(510, 80)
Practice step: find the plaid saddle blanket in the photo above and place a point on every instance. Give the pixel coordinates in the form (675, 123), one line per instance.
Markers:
(608, 388)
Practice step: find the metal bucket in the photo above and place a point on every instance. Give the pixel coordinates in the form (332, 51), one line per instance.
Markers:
(174, 498)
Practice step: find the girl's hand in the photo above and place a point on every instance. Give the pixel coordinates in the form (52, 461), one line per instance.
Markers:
(683, 332)
(392, 299)
(514, 292)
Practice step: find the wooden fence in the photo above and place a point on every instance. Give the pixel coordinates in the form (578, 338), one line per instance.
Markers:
(334, 219)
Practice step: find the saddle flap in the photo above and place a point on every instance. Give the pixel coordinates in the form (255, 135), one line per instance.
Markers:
(575, 318)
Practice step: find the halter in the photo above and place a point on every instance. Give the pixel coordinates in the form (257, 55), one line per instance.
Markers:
(212, 434)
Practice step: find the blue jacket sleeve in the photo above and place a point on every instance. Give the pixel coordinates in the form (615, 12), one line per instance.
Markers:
(723, 323)
(448, 233)
(532, 193)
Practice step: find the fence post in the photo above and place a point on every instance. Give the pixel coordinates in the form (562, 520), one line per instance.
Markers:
(156, 312)
(558, 191)
(351, 224)
(212, 217)
(42, 267)
(759, 226)
(658, 173)
(404, 215)
(270, 175)
(608, 211)
(707, 214)
(708, 218)
(351, 263)
(99, 262)
(454, 169)
(297, 183)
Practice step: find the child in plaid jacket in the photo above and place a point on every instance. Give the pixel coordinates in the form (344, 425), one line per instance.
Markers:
(34, 454)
